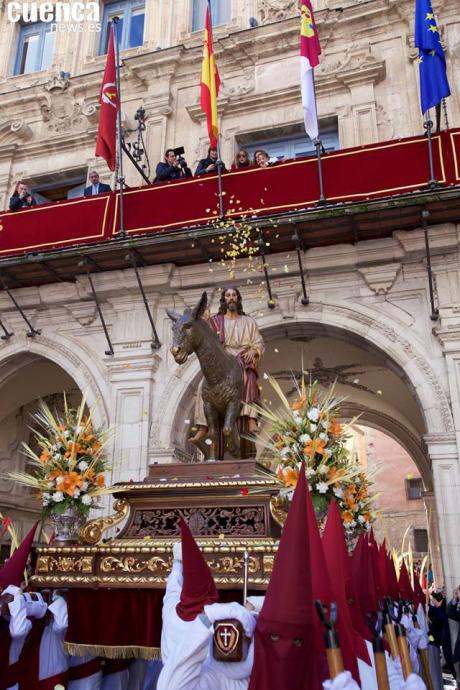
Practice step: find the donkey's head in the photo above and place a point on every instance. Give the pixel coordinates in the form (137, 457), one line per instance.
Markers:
(185, 331)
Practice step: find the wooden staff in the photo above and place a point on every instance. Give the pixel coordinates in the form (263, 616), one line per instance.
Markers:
(389, 628)
(403, 651)
(331, 639)
(379, 652)
(424, 659)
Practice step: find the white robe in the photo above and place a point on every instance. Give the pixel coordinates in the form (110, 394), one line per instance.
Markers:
(19, 627)
(368, 674)
(53, 658)
(116, 681)
(92, 682)
(186, 650)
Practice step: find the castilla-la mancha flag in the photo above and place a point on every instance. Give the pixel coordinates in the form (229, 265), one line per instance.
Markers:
(108, 98)
(210, 83)
(310, 51)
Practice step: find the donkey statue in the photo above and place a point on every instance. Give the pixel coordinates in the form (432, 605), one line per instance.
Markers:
(223, 377)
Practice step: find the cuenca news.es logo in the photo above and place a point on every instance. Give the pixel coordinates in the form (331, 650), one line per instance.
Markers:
(73, 16)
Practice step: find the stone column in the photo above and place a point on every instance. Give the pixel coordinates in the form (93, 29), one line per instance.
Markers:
(434, 536)
(443, 452)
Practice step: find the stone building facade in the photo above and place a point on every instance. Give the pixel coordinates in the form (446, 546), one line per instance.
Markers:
(369, 311)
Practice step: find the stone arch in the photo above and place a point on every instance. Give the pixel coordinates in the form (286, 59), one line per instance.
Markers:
(78, 366)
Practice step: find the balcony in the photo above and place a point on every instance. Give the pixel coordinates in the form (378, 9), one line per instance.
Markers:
(371, 192)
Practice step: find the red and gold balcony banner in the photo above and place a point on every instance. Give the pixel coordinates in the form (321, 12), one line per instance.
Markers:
(375, 171)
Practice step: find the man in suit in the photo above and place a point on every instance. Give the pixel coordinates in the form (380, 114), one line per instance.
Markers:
(96, 187)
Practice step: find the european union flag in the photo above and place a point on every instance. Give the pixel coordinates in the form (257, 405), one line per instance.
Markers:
(433, 77)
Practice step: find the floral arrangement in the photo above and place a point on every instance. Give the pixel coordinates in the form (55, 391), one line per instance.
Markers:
(308, 430)
(69, 469)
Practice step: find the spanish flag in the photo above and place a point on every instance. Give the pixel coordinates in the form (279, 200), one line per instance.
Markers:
(310, 50)
(210, 83)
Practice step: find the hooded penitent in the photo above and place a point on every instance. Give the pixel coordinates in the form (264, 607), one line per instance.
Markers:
(198, 588)
(404, 584)
(336, 553)
(12, 572)
(284, 657)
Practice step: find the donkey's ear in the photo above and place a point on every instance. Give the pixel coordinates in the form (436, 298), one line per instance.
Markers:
(198, 311)
(172, 315)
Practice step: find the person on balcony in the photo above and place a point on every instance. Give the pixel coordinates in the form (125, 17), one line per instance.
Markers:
(173, 168)
(22, 197)
(263, 160)
(241, 160)
(209, 164)
(96, 187)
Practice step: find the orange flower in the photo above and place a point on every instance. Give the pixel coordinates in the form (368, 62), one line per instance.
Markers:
(301, 401)
(71, 481)
(313, 447)
(335, 428)
(290, 476)
(45, 457)
(100, 481)
(347, 516)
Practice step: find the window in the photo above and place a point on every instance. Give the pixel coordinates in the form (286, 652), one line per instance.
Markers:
(220, 13)
(414, 488)
(421, 540)
(59, 186)
(131, 14)
(295, 146)
(35, 48)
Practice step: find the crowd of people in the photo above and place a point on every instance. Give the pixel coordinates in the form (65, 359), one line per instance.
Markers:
(174, 166)
(284, 648)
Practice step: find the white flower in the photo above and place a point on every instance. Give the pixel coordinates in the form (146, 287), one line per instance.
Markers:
(59, 479)
(327, 452)
(46, 499)
(86, 500)
(57, 456)
(79, 429)
(67, 433)
(324, 424)
(310, 472)
(304, 438)
(58, 496)
(84, 486)
(285, 451)
(296, 415)
(323, 469)
(338, 493)
(322, 487)
(295, 447)
(322, 436)
(313, 427)
(76, 493)
(83, 465)
(361, 519)
(313, 414)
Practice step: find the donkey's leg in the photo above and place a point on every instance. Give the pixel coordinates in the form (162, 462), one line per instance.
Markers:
(212, 417)
(230, 429)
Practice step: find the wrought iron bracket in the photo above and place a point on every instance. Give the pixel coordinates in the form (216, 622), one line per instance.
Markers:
(434, 316)
(134, 256)
(85, 264)
(32, 332)
(262, 249)
(6, 334)
(299, 247)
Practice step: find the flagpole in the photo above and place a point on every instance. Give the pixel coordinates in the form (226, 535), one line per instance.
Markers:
(121, 179)
(428, 126)
(219, 159)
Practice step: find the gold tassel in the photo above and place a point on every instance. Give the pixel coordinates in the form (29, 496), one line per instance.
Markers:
(134, 652)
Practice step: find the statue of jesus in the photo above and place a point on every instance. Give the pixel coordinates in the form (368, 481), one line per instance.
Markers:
(240, 336)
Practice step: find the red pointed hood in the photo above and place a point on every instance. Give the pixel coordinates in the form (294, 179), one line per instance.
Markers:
(363, 576)
(12, 572)
(382, 571)
(404, 584)
(284, 656)
(419, 594)
(337, 558)
(198, 588)
(392, 580)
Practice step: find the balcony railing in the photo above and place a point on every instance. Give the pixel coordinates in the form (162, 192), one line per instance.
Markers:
(386, 169)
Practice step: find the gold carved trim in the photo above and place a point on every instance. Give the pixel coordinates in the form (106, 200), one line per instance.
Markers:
(131, 564)
(278, 510)
(92, 532)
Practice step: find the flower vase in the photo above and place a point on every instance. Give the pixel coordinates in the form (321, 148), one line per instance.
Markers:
(67, 526)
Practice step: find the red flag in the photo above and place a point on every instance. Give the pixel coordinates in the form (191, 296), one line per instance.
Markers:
(108, 98)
